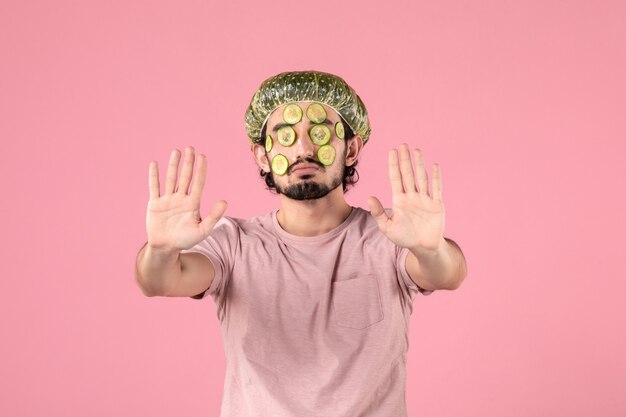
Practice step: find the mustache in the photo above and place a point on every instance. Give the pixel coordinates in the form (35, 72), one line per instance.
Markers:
(305, 160)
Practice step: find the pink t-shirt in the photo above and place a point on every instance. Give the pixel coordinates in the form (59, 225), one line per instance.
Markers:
(311, 326)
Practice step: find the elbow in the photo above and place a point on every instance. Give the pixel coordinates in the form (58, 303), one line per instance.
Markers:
(146, 290)
(459, 269)
(458, 279)
(454, 284)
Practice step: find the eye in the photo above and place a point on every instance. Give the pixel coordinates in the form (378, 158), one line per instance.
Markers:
(286, 135)
(320, 134)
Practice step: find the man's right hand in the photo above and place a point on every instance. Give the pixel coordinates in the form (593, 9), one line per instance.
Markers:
(173, 220)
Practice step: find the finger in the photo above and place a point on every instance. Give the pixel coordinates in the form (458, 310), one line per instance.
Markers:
(378, 212)
(422, 175)
(153, 180)
(394, 173)
(217, 211)
(406, 169)
(172, 172)
(187, 171)
(199, 179)
(437, 187)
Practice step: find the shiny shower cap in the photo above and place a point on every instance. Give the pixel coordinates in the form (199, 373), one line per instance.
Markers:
(322, 87)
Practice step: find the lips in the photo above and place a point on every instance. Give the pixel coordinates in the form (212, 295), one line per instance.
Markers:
(305, 168)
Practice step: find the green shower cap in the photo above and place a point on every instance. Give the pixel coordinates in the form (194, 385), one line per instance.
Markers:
(322, 87)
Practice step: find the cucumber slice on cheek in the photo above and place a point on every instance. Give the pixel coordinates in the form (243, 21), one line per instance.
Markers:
(280, 164)
(326, 154)
(269, 143)
(340, 130)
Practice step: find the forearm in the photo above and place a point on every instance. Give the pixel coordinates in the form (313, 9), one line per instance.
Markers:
(445, 267)
(156, 270)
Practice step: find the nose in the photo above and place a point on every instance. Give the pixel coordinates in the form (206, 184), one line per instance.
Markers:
(304, 145)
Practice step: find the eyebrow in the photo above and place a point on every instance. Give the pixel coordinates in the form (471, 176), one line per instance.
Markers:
(279, 125)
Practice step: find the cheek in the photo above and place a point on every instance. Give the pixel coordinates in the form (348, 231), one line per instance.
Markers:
(279, 150)
(289, 151)
(340, 152)
(286, 151)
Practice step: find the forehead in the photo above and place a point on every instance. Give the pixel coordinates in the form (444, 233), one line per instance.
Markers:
(277, 115)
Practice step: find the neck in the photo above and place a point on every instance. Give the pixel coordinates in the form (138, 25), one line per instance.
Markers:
(313, 217)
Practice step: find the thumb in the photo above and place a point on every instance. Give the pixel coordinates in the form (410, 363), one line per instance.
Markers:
(378, 212)
(216, 213)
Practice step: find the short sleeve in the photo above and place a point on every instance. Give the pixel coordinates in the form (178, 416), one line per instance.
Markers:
(220, 248)
(412, 288)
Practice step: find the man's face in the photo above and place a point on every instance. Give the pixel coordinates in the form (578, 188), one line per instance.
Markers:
(310, 173)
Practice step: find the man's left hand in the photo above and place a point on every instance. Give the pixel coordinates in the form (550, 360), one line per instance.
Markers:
(418, 217)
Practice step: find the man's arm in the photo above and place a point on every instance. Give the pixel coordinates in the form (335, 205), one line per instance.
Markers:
(173, 224)
(417, 222)
(172, 274)
(444, 268)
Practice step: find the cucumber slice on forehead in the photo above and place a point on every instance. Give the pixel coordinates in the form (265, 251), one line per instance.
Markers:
(340, 131)
(286, 135)
(280, 164)
(292, 114)
(320, 134)
(269, 143)
(316, 113)
(326, 154)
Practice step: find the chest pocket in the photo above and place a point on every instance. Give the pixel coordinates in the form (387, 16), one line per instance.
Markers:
(356, 302)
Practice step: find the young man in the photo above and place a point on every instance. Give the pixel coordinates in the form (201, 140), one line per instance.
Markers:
(314, 298)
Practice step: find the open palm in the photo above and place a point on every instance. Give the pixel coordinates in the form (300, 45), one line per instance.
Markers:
(173, 220)
(417, 220)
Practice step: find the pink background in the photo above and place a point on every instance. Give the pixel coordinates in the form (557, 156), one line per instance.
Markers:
(521, 102)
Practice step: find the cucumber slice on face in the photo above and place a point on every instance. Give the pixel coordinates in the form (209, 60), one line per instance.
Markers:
(320, 134)
(280, 164)
(316, 113)
(269, 143)
(339, 130)
(292, 114)
(326, 154)
(286, 135)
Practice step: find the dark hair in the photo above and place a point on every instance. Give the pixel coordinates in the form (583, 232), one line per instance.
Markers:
(350, 174)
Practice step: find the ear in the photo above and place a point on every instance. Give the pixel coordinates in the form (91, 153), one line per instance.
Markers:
(354, 149)
(258, 153)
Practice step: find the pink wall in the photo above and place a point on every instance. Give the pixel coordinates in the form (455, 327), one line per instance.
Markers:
(521, 102)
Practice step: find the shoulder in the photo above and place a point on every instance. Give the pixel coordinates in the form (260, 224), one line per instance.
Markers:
(250, 226)
(363, 220)
(367, 228)
(363, 227)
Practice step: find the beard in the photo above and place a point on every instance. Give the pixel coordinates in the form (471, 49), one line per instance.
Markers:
(309, 190)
